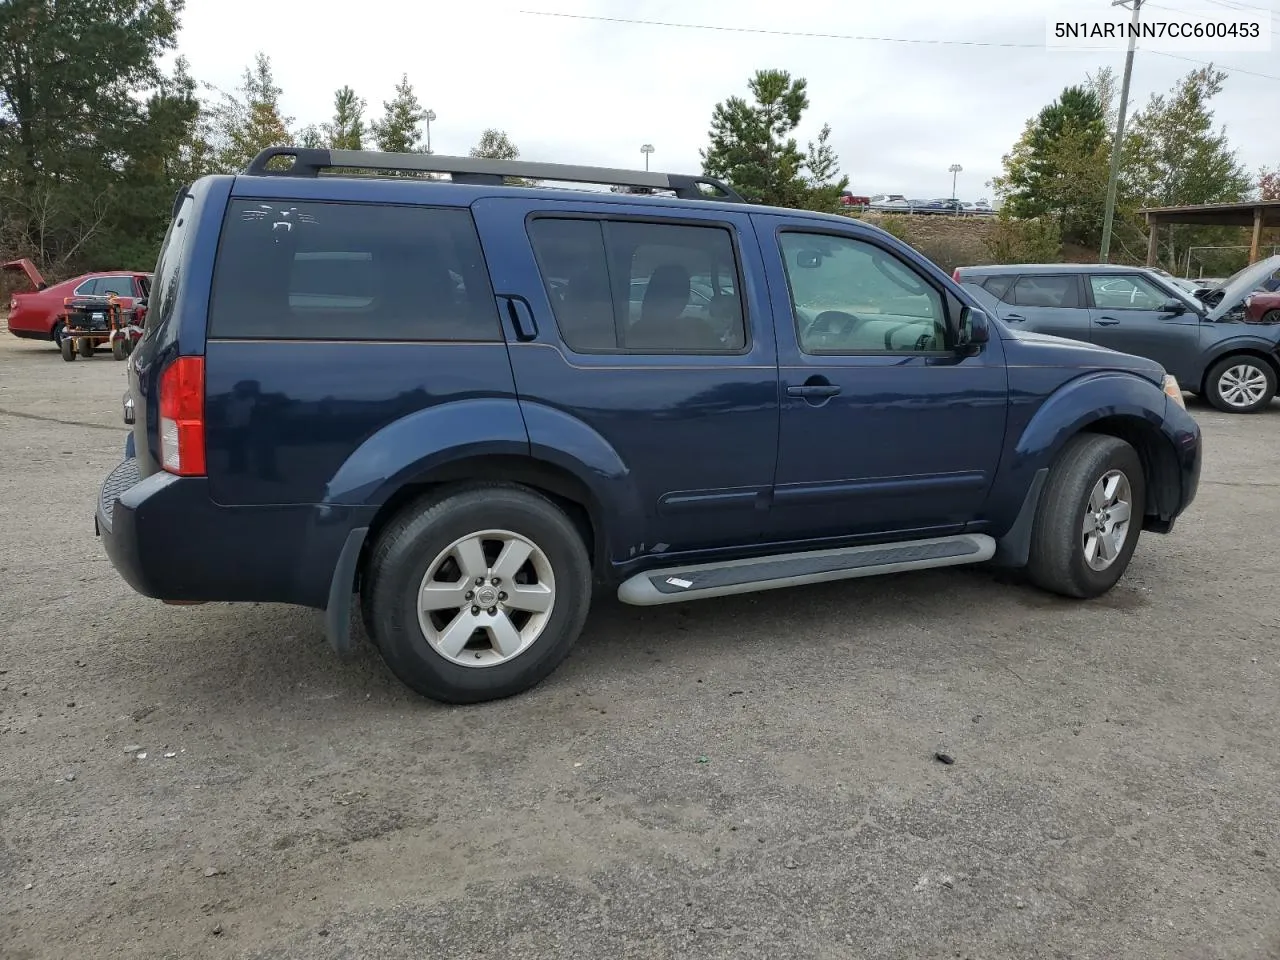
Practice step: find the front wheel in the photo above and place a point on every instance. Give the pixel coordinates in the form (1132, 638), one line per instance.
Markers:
(119, 348)
(1240, 384)
(68, 349)
(1089, 518)
(479, 594)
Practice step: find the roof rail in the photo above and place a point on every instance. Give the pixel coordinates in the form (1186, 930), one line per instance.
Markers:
(309, 162)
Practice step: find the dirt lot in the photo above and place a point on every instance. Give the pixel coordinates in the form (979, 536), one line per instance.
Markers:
(749, 777)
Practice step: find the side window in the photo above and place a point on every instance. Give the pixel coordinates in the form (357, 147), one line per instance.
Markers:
(347, 271)
(1126, 293)
(638, 287)
(120, 286)
(850, 296)
(998, 287)
(1053, 290)
(87, 289)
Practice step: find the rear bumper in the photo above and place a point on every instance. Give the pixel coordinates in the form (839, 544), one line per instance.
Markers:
(171, 541)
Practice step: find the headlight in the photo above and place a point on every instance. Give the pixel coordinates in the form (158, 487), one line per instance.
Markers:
(1173, 391)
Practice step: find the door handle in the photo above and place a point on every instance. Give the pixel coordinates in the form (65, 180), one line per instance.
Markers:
(1107, 322)
(526, 328)
(814, 387)
(1014, 317)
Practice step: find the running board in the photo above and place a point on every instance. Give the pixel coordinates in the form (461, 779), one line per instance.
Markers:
(694, 582)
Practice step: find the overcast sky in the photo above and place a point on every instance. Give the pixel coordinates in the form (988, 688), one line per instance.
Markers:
(584, 91)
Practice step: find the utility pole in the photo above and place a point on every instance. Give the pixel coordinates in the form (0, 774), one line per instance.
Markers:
(646, 149)
(1108, 217)
(430, 115)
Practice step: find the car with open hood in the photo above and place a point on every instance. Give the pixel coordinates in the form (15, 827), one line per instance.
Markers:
(1204, 340)
(37, 314)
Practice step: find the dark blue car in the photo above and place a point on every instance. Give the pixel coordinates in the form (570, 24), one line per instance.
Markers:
(471, 406)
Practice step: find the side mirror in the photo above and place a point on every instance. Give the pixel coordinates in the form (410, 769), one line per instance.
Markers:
(1173, 306)
(975, 330)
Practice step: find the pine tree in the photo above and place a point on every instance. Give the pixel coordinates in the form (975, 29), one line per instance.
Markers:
(398, 130)
(346, 130)
(245, 125)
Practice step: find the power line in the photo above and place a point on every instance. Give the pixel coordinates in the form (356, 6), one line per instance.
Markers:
(869, 39)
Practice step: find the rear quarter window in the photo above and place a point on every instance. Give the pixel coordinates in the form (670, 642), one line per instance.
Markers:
(344, 271)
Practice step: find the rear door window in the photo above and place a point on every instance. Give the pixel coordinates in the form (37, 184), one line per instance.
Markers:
(999, 286)
(638, 287)
(291, 270)
(1052, 290)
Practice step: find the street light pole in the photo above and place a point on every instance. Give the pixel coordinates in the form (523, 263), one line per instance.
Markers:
(431, 115)
(646, 149)
(955, 169)
(1109, 214)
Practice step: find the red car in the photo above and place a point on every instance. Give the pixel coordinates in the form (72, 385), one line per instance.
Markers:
(34, 316)
(1263, 306)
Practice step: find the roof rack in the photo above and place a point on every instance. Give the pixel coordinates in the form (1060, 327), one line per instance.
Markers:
(309, 162)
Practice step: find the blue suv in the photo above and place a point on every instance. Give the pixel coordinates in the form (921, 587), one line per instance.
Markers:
(462, 406)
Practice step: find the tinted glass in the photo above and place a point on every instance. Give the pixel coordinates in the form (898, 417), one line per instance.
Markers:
(641, 287)
(1045, 291)
(1126, 293)
(335, 271)
(120, 286)
(164, 285)
(853, 297)
(999, 286)
(87, 289)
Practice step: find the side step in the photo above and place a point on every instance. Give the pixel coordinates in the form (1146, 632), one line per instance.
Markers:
(694, 582)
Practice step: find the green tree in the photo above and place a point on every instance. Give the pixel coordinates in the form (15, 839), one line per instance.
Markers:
(399, 129)
(1059, 166)
(751, 147)
(496, 145)
(1174, 155)
(823, 178)
(73, 80)
(346, 130)
(244, 125)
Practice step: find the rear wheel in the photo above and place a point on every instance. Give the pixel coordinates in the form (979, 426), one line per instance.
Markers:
(67, 348)
(85, 346)
(56, 334)
(1089, 518)
(119, 348)
(1271, 316)
(1240, 384)
(477, 595)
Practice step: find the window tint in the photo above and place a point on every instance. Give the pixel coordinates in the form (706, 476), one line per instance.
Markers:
(1054, 290)
(1126, 293)
(121, 286)
(87, 289)
(999, 286)
(641, 287)
(336, 271)
(850, 296)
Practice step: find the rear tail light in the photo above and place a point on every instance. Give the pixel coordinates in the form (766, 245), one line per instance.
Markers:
(182, 417)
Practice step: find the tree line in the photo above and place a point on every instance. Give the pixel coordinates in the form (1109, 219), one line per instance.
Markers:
(1173, 154)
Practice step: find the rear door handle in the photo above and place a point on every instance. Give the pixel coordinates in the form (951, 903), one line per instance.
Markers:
(526, 328)
(1014, 317)
(813, 390)
(1107, 322)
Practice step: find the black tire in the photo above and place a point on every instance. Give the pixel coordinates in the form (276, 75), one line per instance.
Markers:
(119, 348)
(55, 334)
(85, 347)
(68, 349)
(1213, 386)
(411, 543)
(1057, 558)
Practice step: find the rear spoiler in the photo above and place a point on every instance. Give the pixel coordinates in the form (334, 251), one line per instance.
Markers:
(26, 266)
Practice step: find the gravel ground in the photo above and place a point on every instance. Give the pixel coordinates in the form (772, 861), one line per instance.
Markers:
(738, 778)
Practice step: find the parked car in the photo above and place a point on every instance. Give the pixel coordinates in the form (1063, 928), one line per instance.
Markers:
(948, 205)
(472, 406)
(890, 203)
(1206, 346)
(849, 199)
(1262, 305)
(37, 315)
(983, 205)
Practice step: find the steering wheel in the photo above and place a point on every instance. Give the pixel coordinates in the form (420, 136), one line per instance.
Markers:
(835, 321)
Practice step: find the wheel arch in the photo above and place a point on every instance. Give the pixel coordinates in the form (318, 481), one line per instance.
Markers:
(555, 482)
(1160, 469)
(1256, 351)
